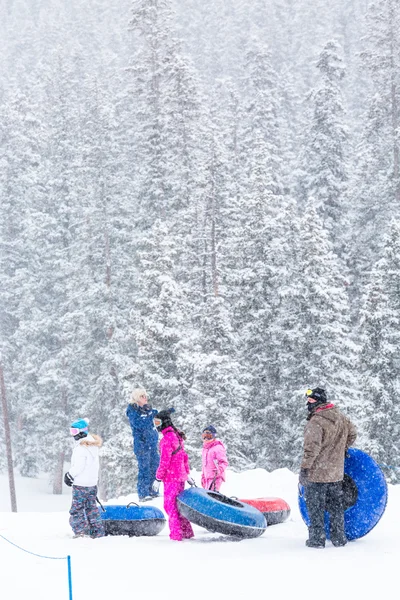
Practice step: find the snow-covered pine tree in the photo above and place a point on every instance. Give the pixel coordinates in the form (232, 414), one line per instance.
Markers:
(54, 332)
(261, 252)
(161, 323)
(314, 23)
(186, 129)
(11, 247)
(21, 191)
(28, 147)
(151, 30)
(380, 355)
(315, 343)
(107, 281)
(323, 161)
(160, 319)
(218, 388)
(375, 189)
(284, 414)
(225, 144)
(262, 125)
(219, 392)
(323, 351)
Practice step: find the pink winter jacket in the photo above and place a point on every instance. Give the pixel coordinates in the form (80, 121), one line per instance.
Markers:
(172, 467)
(214, 461)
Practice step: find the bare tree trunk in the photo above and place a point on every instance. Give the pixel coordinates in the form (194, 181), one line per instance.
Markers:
(395, 112)
(108, 258)
(214, 267)
(58, 475)
(110, 329)
(396, 161)
(7, 433)
(214, 258)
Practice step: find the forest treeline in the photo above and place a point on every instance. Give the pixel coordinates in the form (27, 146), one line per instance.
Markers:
(203, 199)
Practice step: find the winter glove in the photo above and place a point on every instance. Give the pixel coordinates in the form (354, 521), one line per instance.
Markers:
(191, 481)
(68, 479)
(303, 477)
(156, 486)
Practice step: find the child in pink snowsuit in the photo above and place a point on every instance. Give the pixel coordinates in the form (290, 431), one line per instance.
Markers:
(173, 471)
(214, 461)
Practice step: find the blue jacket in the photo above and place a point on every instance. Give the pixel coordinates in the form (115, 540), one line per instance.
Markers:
(145, 435)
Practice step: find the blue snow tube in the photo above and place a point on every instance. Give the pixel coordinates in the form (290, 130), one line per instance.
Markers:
(221, 514)
(132, 520)
(365, 495)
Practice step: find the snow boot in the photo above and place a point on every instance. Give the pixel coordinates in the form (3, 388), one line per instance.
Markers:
(339, 542)
(315, 544)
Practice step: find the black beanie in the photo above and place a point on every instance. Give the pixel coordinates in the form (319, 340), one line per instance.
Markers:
(165, 417)
(317, 394)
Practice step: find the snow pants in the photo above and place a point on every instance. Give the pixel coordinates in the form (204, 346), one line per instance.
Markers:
(148, 462)
(210, 484)
(321, 497)
(179, 527)
(84, 513)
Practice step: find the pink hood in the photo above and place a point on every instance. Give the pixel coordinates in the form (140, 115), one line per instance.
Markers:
(173, 466)
(214, 460)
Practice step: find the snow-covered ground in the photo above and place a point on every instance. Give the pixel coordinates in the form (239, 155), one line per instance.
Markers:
(276, 565)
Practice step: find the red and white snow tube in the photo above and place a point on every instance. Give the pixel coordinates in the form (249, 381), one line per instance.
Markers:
(275, 510)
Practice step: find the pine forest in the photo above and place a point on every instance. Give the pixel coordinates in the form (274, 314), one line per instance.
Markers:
(201, 198)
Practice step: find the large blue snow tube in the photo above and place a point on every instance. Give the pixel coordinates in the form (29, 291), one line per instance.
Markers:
(221, 514)
(132, 520)
(365, 495)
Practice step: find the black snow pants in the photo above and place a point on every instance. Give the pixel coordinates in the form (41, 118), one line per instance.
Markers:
(321, 497)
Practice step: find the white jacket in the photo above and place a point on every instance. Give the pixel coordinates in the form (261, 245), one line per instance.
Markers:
(85, 461)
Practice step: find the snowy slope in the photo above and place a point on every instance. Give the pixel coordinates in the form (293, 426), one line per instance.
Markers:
(276, 565)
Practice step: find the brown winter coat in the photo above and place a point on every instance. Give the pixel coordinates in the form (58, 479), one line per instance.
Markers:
(327, 436)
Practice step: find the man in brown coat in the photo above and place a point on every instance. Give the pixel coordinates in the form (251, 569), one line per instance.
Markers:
(327, 437)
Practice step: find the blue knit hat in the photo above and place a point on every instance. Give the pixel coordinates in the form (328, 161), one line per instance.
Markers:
(81, 424)
(211, 429)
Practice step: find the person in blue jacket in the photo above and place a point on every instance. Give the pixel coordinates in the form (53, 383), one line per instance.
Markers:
(145, 442)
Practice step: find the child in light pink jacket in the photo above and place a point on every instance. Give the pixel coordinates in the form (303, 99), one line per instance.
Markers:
(214, 460)
(173, 471)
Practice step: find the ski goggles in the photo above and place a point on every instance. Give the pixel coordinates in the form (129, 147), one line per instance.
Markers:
(157, 422)
(309, 393)
(207, 435)
(74, 430)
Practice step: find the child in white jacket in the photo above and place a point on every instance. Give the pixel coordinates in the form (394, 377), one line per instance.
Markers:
(83, 475)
